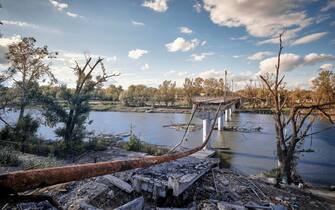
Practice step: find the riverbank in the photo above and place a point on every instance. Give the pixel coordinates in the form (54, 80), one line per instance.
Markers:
(217, 188)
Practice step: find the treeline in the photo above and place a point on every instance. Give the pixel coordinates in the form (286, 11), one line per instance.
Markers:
(321, 91)
(167, 93)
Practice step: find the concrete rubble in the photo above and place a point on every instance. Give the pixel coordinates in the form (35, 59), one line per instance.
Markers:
(188, 183)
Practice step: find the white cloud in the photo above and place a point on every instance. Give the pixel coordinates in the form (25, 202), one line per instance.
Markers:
(290, 61)
(328, 6)
(266, 18)
(61, 65)
(145, 67)
(309, 38)
(327, 67)
(185, 30)
(259, 55)
(137, 53)
(135, 23)
(313, 58)
(74, 15)
(197, 7)
(200, 57)
(4, 42)
(239, 38)
(156, 5)
(321, 18)
(58, 5)
(203, 43)
(180, 44)
(237, 56)
(18, 23)
(212, 73)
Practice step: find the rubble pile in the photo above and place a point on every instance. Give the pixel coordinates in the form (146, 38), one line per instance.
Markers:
(187, 183)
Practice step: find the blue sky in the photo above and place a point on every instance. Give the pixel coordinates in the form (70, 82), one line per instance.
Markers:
(148, 41)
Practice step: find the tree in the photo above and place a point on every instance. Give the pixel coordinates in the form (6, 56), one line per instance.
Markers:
(167, 91)
(298, 122)
(27, 67)
(189, 90)
(324, 86)
(77, 102)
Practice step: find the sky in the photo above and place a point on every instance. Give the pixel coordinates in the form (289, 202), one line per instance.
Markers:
(148, 41)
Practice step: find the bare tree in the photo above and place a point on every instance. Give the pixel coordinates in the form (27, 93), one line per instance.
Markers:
(74, 115)
(298, 122)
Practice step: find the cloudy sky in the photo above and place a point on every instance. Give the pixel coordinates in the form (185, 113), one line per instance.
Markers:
(148, 41)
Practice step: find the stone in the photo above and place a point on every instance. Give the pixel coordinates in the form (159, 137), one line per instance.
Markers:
(119, 183)
(136, 204)
(91, 190)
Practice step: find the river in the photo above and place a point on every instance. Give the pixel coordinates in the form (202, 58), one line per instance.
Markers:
(250, 153)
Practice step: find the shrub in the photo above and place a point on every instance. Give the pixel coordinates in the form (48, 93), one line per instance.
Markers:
(8, 156)
(134, 144)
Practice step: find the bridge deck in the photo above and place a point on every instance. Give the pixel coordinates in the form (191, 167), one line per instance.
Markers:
(214, 100)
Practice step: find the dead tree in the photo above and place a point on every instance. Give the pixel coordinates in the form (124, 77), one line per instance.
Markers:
(298, 122)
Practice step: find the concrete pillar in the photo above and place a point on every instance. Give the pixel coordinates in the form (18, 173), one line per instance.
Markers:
(220, 122)
(229, 113)
(226, 115)
(233, 107)
(205, 127)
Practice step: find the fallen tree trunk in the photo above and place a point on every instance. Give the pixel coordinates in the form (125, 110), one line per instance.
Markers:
(21, 181)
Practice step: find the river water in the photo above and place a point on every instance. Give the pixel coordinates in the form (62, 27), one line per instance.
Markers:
(250, 153)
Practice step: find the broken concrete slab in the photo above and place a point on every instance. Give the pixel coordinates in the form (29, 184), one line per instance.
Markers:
(136, 204)
(91, 190)
(119, 183)
(203, 154)
(177, 175)
(157, 187)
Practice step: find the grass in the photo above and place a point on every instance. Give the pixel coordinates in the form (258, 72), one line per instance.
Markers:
(135, 144)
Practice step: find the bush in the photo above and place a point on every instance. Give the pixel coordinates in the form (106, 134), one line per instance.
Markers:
(9, 156)
(134, 144)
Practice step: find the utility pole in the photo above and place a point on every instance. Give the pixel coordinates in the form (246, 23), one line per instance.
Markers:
(225, 83)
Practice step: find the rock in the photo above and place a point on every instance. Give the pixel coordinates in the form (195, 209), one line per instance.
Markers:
(91, 190)
(229, 206)
(43, 205)
(84, 206)
(301, 186)
(111, 194)
(136, 204)
(271, 180)
(119, 183)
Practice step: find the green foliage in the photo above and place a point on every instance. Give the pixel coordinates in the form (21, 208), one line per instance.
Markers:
(22, 134)
(135, 144)
(98, 144)
(8, 156)
(34, 162)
